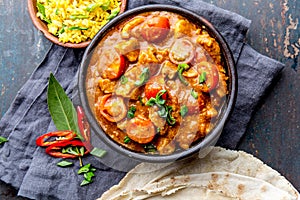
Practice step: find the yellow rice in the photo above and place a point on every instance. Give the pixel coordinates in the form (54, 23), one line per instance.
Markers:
(76, 21)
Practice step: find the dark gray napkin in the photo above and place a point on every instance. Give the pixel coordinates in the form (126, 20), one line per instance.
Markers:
(36, 175)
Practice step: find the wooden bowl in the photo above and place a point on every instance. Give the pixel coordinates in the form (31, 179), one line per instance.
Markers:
(42, 26)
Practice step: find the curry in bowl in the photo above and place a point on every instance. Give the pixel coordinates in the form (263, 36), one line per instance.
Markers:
(157, 83)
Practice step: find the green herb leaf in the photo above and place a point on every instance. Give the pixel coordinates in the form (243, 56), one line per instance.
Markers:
(114, 13)
(170, 119)
(92, 169)
(124, 80)
(62, 30)
(92, 7)
(182, 67)
(105, 5)
(41, 9)
(163, 112)
(141, 100)
(77, 28)
(64, 163)
(64, 150)
(194, 94)
(71, 150)
(98, 152)
(73, 17)
(159, 99)
(143, 77)
(150, 148)
(3, 140)
(126, 139)
(183, 110)
(61, 107)
(88, 176)
(81, 150)
(88, 173)
(151, 102)
(131, 111)
(84, 169)
(202, 77)
(85, 182)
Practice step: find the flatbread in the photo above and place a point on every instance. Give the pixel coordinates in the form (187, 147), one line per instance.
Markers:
(237, 165)
(219, 185)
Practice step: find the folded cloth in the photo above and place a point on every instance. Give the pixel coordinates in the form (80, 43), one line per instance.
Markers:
(35, 174)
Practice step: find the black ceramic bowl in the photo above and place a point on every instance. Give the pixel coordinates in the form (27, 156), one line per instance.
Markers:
(212, 137)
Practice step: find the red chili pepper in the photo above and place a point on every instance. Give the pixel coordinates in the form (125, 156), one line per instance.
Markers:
(55, 150)
(84, 128)
(63, 136)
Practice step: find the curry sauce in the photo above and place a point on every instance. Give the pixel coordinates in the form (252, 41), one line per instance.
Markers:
(156, 83)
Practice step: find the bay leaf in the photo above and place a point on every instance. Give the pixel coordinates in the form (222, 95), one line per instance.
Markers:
(61, 108)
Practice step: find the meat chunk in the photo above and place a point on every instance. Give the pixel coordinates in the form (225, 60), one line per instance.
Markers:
(211, 46)
(162, 55)
(129, 26)
(129, 48)
(169, 70)
(165, 146)
(158, 121)
(148, 56)
(106, 85)
(182, 28)
(187, 131)
(129, 88)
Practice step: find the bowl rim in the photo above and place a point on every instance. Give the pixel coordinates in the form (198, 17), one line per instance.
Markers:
(41, 25)
(211, 137)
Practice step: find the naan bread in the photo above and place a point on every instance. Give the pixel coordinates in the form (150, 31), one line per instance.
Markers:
(235, 165)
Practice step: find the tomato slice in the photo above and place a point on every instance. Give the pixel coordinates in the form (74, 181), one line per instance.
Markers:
(62, 135)
(140, 130)
(182, 51)
(208, 76)
(153, 86)
(155, 29)
(112, 107)
(116, 68)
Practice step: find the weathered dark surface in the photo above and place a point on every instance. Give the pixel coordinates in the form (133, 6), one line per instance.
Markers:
(274, 132)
